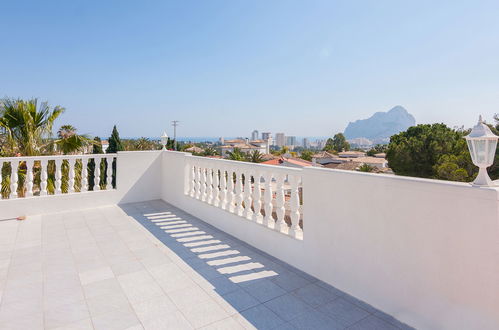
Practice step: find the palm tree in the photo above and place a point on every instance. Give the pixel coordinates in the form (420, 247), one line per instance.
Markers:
(236, 154)
(69, 142)
(27, 125)
(255, 156)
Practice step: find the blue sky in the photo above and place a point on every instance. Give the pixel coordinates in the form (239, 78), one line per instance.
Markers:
(305, 68)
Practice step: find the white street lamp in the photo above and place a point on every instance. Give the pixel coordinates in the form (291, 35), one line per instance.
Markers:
(482, 145)
(164, 140)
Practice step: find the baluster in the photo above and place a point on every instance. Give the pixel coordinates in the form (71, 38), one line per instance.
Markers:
(187, 179)
(209, 186)
(223, 189)
(239, 193)
(43, 177)
(294, 205)
(58, 176)
(14, 165)
(216, 184)
(198, 182)
(280, 209)
(84, 174)
(97, 161)
(192, 181)
(109, 174)
(232, 195)
(29, 178)
(248, 213)
(71, 181)
(203, 184)
(257, 195)
(268, 220)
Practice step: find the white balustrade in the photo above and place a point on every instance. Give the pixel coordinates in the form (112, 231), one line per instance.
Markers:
(248, 213)
(257, 196)
(14, 165)
(29, 177)
(84, 174)
(71, 181)
(109, 174)
(239, 193)
(97, 174)
(44, 175)
(247, 190)
(209, 185)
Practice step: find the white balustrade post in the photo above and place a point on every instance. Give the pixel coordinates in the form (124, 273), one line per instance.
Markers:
(268, 221)
(109, 174)
(203, 184)
(29, 177)
(14, 165)
(58, 176)
(192, 181)
(84, 174)
(257, 196)
(294, 205)
(232, 195)
(97, 161)
(239, 193)
(209, 185)
(248, 213)
(216, 187)
(223, 189)
(71, 181)
(198, 182)
(43, 177)
(280, 209)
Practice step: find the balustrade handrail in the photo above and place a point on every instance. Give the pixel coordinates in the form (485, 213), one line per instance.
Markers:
(249, 165)
(51, 157)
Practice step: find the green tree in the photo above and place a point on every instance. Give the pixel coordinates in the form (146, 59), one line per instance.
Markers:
(340, 143)
(236, 154)
(255, 157)
(26, 126)
(306, 155)
(69, 142)
(329, 145)
(114, 142)
(431, 151)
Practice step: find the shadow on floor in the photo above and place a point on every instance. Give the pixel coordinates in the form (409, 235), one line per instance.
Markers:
(265, 291)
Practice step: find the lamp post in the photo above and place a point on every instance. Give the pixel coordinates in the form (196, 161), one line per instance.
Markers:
(164, 140)
(482, 145)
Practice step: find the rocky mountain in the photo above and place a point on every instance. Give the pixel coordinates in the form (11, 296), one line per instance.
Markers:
(380, 126)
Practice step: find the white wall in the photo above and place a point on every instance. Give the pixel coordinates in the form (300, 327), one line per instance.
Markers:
(424, 251)
(137, 180)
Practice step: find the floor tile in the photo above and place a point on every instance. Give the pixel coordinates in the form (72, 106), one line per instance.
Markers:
(343, 312)
(288, 306)
(262, 318)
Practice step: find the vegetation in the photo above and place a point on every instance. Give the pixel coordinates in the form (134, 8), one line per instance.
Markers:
(377, 149)
(236, 154)
(140, 144)
(366, 168)
(306, 155)
(337, 144)
(255, 156)
(431, 151)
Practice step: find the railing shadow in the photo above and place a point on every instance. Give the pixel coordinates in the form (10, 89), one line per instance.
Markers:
(266, 291)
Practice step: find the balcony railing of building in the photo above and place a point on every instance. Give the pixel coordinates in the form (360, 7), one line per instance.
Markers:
(424, 251)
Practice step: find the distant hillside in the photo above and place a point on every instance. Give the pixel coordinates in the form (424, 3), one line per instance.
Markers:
(380, 126)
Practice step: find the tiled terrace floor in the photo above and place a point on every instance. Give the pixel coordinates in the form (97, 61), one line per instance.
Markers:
(101, 269)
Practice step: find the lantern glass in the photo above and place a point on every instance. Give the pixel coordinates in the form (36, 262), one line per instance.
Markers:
(492, 144)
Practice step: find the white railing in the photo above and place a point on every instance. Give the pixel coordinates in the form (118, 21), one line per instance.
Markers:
(268, 195)
(54, 175)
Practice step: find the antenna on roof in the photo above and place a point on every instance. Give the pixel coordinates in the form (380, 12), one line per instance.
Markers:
(175, 124)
